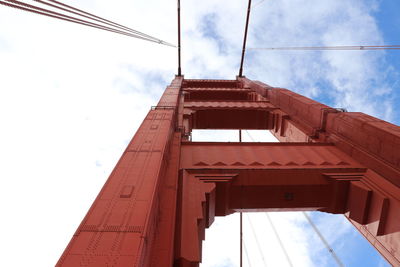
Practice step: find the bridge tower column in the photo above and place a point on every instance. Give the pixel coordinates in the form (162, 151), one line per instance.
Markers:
(166, 190)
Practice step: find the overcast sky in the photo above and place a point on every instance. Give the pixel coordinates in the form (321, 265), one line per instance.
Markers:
(72, 97)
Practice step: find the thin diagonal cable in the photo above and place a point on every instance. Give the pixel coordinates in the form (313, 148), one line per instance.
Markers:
(258, 244)
(306, 48)
(247, 254)
(257, 4)
(328, 247)
(45, 12)
(279, 239)
(250, 136)
(88, 15)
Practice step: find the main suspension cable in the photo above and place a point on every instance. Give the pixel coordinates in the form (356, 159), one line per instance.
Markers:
(102, 19)
(354, 47)
(45, 12)
(92, 17)
(245, 39)
(49, 13)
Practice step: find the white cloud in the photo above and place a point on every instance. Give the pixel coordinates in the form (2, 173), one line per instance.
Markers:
(345, 76)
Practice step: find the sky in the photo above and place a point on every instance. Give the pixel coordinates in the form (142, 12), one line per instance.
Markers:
(72, 97)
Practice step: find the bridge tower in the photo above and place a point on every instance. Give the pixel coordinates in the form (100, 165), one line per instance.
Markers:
(165, 189)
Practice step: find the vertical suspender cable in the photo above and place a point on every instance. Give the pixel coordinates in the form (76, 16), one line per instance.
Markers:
(241, 239)
(241, 220)
(245, 39)
(328, 247)
(179, 38)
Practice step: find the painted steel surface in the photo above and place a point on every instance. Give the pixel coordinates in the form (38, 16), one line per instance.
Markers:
(120, 228)
(166, 190)
(229, 105)
(264, 155)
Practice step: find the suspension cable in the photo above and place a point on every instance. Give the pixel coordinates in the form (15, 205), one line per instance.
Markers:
(327, 246)
(102, 19)
(179, 38)
(112, 24)
(241, 239)
(279, 239)
(258, 244)
(49, 13)
(42, 11)
(359, 47)
(245, 39)
(241, 219)
(252, 139)
(257, 4)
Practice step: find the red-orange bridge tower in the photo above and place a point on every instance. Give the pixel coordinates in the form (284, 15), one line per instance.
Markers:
(165, 189)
